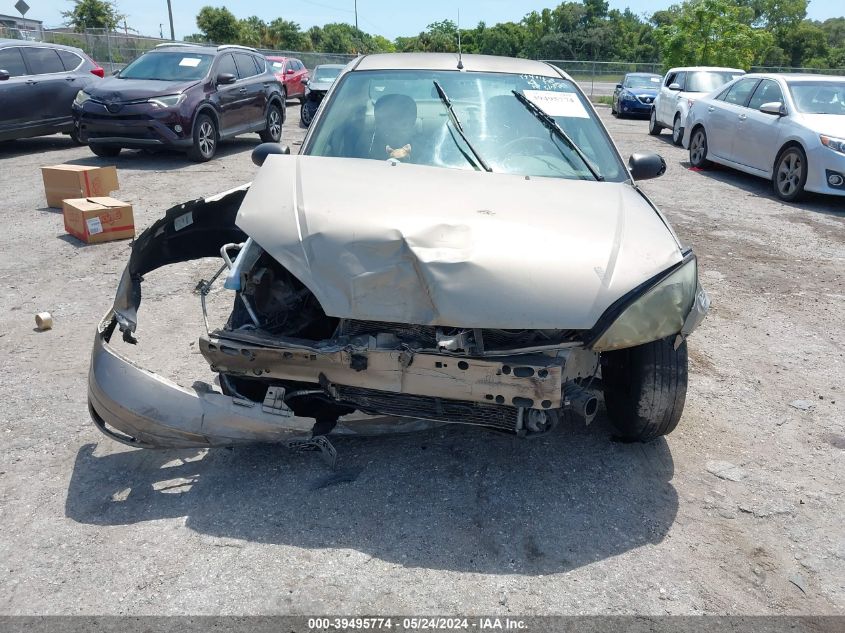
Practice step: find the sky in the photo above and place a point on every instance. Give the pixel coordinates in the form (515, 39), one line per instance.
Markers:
(390, 18)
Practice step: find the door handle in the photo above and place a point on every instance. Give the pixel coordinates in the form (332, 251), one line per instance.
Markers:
(242, 91)
(31, 82)
(711, 109)
(70, 78)
(742, 117)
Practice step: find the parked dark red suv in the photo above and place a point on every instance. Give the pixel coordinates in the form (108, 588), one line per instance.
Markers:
(292, 73)
(185, 97)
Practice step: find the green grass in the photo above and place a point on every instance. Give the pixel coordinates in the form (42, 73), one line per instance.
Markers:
(602, 99)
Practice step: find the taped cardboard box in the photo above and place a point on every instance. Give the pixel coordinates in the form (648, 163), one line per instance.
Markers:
(95, 220)
(77, 181)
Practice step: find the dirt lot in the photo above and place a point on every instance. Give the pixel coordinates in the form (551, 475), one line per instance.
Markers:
(739, 511)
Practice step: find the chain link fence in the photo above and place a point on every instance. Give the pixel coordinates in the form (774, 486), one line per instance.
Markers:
(113, 50)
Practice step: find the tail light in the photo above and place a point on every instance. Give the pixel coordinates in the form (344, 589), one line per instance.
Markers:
(99, 71)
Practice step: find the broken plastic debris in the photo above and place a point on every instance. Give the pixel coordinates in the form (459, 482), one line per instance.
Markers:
(802, 405)
(44, 321)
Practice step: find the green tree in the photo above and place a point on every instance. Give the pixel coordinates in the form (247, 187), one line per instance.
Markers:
(286, 35)
(218, 25)
(92, 14)
(713, 33)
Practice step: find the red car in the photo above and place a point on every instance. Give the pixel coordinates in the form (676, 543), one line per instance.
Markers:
(291, 73)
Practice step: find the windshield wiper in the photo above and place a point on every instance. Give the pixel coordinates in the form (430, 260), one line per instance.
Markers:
(558, 131)
(458, 126)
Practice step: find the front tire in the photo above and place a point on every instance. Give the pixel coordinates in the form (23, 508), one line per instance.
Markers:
(698, 149)
(105, 151)
(645, 388)
(677, 131)
(205, 140)
(273, 132)
(654, 128)
(307, 112)
(790, 174)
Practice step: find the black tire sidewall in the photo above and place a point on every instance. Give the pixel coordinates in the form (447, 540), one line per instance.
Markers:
(653, 127)
(703, 162)
(266, 136)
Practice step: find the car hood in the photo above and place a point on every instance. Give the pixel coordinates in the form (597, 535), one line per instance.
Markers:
(830, 124)
(387, 241)
(114, 89)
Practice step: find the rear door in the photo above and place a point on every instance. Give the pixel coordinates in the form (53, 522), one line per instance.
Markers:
(666, 99)
(758, 135)
(14, 102)
(722, 117)
(54, 88)
(252, 89)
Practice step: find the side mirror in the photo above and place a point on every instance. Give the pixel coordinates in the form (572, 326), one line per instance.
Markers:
(675, 86)
(260, 153)
(618, 86)
(115, 72)
(226, 78)
(774, 107)
(4, 75)
(291, 71)
(645, 166)
(305, 81)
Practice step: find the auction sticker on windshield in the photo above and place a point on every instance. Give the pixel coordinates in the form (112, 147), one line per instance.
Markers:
(191, 62)
(557, 103)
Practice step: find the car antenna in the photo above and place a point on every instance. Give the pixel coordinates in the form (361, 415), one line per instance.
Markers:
(460, 53)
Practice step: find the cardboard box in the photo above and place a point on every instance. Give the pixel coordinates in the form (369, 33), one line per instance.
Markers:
(95, 220)
(77, 181)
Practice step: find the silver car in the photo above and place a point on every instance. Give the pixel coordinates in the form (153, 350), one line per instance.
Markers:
(789, 129)
(482, 256)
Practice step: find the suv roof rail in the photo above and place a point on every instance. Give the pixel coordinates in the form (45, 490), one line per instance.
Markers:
(166, 44)
(245, 48)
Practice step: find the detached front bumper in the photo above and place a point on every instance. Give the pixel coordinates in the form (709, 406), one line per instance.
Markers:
(141, 409)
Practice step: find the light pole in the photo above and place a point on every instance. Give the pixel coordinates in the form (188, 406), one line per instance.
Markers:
(356, 15)
(170, 15)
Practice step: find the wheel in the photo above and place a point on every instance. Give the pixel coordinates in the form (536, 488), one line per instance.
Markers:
(698, 149)
(284, 94)
(653, 127)
(205, 139)
(307, 112)
(74, 136)
(273, 132)
(105, 151)
(790, 174)
(677, 131)
(645, 388)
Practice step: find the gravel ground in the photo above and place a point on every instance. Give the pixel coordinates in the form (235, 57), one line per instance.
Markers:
(738, 512)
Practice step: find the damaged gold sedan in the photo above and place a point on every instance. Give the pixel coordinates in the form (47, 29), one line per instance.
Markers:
(458, 241)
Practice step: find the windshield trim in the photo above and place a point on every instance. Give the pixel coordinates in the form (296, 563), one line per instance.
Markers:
(208, 56)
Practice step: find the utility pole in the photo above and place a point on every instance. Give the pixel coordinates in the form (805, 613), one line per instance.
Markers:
(170, 15)
(356, 15)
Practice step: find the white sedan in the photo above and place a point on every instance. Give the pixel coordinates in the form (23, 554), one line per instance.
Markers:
(786, 128)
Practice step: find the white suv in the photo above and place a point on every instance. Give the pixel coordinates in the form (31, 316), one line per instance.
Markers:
(678, 92)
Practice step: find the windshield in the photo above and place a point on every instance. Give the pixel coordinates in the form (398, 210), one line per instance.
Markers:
(168, 66)
(399, 114)
(708, 81)
(641, 81)
(326, 73)
(819, 97)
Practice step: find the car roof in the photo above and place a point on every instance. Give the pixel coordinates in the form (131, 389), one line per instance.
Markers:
(704, 68)
(185, 48)
(449, 61)
(4, 42)
(642, 75)
(796, 77)
(330, 66)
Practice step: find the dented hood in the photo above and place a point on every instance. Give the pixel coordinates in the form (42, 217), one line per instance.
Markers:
(387, 241)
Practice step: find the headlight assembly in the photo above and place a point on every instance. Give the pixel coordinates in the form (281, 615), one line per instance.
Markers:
(81, 97)
(836, 144)
(169, 101)
(656, 314)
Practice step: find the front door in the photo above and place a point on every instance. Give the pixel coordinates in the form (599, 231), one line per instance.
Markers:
(758, 135)
(232, 100)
